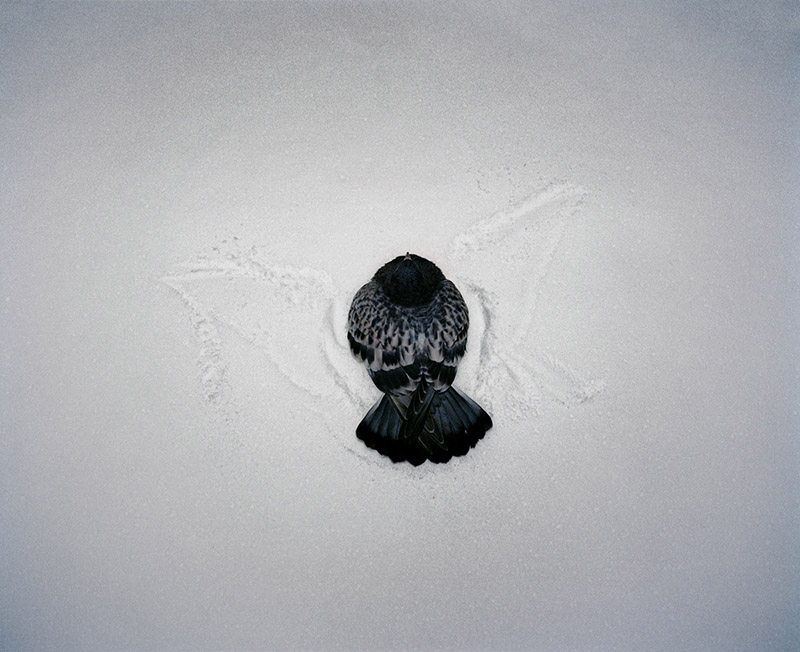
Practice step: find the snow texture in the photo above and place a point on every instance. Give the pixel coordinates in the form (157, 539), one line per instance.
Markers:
(190, 195)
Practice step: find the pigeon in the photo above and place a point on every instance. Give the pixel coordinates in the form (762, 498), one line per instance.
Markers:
(408, 326)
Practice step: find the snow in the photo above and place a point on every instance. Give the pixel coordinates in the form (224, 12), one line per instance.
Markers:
(192, 193)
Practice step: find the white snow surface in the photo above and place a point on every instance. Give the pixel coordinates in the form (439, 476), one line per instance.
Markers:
(191, 194)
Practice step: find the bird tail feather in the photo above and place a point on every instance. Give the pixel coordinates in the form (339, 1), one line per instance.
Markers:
(438, 426)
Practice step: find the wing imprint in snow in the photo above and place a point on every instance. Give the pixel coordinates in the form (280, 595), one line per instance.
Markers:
(292, 314)
(512, 251)
(297, 316)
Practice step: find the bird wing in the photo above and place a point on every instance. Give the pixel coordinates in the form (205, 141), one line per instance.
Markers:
(383, 343)
(446, 336)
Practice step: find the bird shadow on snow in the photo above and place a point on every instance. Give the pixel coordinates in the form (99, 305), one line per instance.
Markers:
(297, 317)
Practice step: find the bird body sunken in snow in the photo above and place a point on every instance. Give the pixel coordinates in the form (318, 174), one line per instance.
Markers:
(409, 327)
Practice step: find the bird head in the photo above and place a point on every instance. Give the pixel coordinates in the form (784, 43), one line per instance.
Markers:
(409, 280)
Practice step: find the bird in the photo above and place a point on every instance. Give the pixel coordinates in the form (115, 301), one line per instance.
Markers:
(408, 325)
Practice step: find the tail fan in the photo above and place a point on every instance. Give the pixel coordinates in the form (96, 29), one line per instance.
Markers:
(446, 424)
